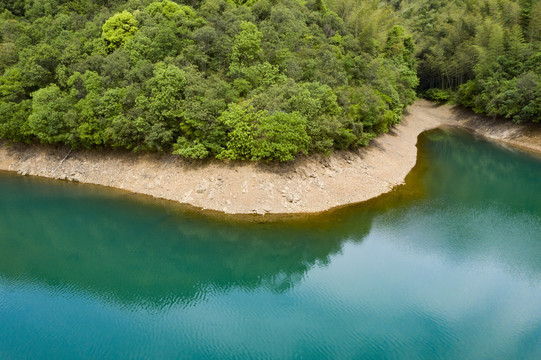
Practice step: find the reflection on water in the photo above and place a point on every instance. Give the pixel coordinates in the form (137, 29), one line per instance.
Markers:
(447, 266)
(110, 245)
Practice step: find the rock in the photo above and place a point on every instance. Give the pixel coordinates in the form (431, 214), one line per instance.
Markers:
(201, 187)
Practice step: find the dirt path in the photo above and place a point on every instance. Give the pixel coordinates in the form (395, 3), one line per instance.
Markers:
(310, 184)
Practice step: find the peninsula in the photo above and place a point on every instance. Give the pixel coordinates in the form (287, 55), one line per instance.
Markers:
(309, 184)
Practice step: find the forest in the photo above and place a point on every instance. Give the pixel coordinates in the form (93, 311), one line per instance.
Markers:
(485, 55)
(257, 79)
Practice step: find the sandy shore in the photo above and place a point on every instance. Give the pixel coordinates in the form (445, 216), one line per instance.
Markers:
(526, 136)
(310, 184)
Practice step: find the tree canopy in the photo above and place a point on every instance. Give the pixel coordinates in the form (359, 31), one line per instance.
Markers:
(483, 54)
(256, 79)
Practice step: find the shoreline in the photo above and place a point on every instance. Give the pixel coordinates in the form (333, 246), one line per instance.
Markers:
(311, 184)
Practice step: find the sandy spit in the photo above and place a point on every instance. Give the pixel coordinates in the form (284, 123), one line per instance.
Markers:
(310, 184)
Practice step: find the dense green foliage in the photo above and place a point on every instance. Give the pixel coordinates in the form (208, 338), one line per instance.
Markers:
(257, 80)
(484, 54)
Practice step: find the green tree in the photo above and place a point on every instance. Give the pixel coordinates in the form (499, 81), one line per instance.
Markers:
(280, 136)
(258, 135)
(118, 29)
(166, 98)
(52, 119)
(246, 49)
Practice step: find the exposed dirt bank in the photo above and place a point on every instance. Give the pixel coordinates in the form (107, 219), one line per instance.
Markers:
(524, 136)
(310, 184)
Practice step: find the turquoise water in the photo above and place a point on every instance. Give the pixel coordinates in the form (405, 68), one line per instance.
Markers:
(446, 267)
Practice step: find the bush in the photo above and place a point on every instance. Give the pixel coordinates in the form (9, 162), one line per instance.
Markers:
(438, 95)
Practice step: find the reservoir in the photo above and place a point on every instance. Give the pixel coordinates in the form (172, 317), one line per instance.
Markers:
(447, 266)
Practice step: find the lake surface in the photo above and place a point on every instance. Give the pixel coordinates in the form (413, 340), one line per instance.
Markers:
(446, 267)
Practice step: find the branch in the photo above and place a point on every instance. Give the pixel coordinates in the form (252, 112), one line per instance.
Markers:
(62, 161)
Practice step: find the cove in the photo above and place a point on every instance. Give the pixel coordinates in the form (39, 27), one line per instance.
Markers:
(447, 266)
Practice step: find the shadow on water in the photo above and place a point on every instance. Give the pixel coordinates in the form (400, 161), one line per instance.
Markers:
(130, 250)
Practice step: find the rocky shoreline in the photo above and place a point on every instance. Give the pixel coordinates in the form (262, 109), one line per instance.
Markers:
(310, 184)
